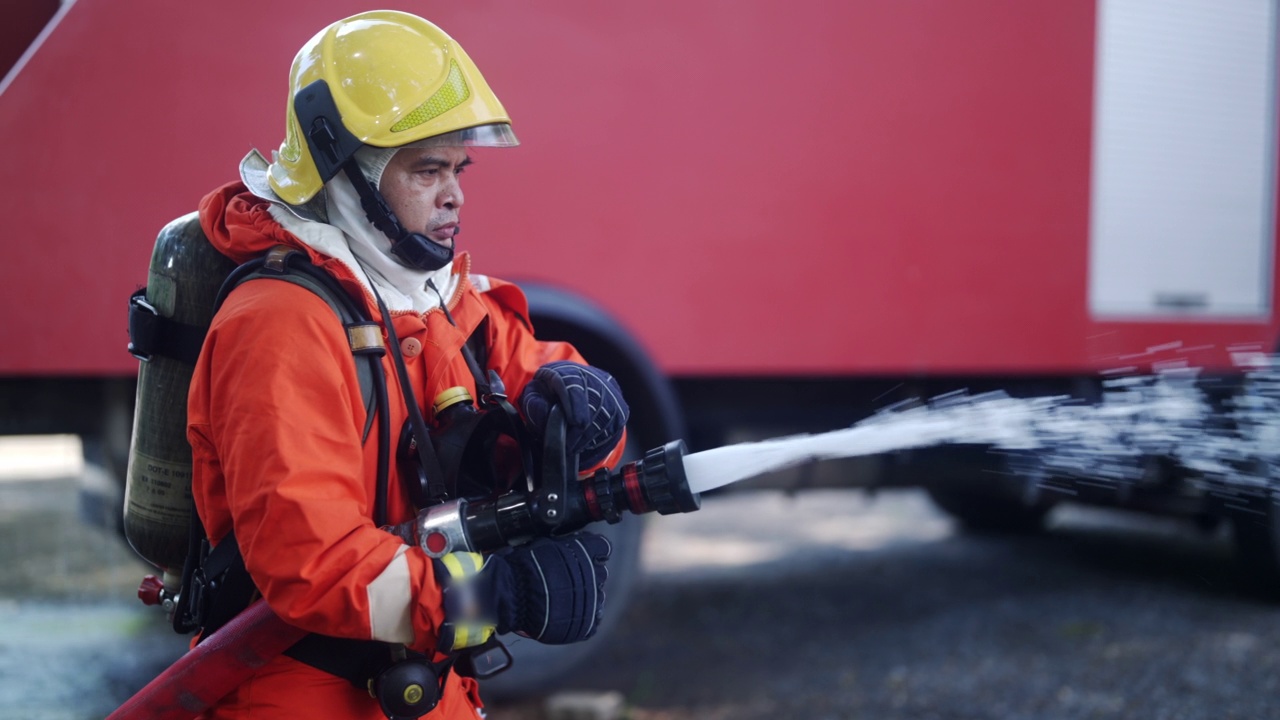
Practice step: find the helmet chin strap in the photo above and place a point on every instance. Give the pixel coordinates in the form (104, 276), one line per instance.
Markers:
(413, 249)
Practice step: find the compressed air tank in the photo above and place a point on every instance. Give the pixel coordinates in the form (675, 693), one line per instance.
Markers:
(182, 285)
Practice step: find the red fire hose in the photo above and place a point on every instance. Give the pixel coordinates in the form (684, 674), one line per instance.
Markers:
(213, 668)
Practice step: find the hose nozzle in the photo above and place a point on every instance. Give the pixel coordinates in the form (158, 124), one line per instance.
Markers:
(655, 483)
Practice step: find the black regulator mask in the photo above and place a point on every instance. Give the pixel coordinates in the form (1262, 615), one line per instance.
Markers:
(482, 450)
(417, 250)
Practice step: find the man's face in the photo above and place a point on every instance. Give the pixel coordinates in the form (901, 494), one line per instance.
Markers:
(421, 185)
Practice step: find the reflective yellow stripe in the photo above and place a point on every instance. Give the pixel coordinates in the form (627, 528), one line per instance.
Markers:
(467, 635)
(473, 562)
(459, 636)
(463, 565)
(452, 565)
(451, 94)
(462, 605)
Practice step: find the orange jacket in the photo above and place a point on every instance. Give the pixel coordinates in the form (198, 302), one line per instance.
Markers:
(275, 421)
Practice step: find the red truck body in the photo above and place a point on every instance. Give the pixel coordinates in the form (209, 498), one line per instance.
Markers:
(792, 214)
(753, 189)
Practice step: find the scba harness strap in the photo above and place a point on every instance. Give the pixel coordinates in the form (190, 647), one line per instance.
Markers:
(216, 585)
(363, 335)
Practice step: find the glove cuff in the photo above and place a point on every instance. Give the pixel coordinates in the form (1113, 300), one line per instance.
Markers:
(470, 603)
(506, 593)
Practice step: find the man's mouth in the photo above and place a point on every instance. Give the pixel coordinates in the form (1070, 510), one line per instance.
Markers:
(444, 234)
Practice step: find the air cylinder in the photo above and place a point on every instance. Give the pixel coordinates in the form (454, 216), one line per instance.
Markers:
(182, 285)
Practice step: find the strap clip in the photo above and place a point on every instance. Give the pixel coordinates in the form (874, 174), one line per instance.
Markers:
(277, 259)
(366, 338)
(143, 320)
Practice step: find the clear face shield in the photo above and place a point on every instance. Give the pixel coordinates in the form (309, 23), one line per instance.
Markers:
(494, 135)
(374, 160)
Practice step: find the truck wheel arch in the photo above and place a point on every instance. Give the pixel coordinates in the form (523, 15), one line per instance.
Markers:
(656, 418)
(559, 314)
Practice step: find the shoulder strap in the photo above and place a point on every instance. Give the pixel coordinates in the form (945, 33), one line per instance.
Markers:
(224, 562)
(293, 266)
(364, 335)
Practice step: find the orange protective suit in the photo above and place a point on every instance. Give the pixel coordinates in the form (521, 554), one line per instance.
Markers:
(276, 419)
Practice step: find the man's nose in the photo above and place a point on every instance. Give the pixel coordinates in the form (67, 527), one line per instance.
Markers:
(450, 196)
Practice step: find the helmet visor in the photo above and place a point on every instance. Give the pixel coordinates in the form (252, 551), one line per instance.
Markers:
(491, 135)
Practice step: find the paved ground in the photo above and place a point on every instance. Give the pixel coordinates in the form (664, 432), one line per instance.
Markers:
(828, 605)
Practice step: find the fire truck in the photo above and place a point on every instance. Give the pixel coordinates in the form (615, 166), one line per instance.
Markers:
(762, 217)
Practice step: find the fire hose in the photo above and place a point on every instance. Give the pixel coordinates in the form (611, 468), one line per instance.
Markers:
(230, 656)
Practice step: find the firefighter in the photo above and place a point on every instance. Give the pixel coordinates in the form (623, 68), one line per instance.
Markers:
(384, 112)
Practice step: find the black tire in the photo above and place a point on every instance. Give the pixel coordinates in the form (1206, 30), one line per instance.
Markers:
(101, 491)
(106, 457)
(1256, 528)
(979, 489)
(1257, 542)
(989, 510)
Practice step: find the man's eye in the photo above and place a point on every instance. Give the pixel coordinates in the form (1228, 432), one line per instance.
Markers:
(460, 170)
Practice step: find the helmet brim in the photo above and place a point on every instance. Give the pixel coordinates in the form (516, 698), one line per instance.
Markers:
(491, 135)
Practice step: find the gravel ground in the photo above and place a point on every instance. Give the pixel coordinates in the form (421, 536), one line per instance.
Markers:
(832, 604)
(74, 640)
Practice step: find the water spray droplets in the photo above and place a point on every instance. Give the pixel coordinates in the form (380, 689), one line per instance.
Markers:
(1222, 439)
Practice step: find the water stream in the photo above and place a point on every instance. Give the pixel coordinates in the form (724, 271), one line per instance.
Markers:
(1231, 445)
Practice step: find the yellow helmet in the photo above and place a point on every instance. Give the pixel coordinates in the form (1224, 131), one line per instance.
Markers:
(381, 78)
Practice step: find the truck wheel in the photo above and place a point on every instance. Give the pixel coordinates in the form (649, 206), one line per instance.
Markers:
(1256, 526)
(978, 488)
(106, 457)
(988, 511)
(1257, 542)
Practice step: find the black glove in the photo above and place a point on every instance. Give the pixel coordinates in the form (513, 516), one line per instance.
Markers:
(595, 413)
(552, 589)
